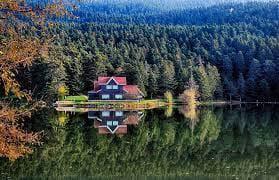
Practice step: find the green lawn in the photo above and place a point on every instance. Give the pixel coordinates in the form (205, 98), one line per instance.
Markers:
(76, 98)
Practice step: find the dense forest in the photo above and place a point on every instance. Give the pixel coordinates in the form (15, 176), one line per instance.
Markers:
(231, 50)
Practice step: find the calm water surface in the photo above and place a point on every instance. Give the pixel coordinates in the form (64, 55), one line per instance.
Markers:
(177, 143)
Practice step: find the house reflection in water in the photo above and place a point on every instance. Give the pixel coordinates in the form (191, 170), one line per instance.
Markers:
(114, 122)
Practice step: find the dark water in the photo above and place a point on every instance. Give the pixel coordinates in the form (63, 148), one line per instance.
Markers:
(210, 143)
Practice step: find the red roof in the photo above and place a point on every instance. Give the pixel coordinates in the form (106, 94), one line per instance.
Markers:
(103, 79)
(132, 89)
(96, 86)
(118, 80)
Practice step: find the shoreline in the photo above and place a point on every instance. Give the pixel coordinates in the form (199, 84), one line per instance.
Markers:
(236, 103)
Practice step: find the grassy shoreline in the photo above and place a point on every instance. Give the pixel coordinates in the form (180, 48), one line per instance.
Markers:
(82, 101)
(143, 104)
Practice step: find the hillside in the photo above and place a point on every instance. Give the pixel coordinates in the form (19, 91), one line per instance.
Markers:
(232, 51)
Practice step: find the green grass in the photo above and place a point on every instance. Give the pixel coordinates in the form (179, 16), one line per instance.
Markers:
(76, 98)
(134, 105)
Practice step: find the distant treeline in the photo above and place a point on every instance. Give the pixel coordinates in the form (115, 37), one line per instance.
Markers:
(252, 12)
(233, 54)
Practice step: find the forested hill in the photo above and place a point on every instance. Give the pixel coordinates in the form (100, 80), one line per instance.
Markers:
(231, 51)
(165, 5)
(253, 12)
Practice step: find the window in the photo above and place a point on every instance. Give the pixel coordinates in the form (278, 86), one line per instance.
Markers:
(115, 123)
(119, 113)
(105, 113)
(109, 123)
(114, 87)
(109, 86)
(118, 96)
(105, 96)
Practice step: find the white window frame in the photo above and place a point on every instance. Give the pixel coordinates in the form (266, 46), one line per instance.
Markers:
(109, 123)
(117, 96)
(115, 87)
(115, 123)
(105, 96)
(105, 113)
(109, 86)
(118, 113)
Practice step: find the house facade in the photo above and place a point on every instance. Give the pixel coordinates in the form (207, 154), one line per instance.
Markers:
(114, 89)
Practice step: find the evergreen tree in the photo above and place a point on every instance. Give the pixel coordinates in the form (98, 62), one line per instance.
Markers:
(203, 83)
(239, 62)
(229, 88)
(227, 67)
(167, 78)
(88, 72)
(215, 80)
(241, 86)
(264, 90)
(74, 76)
(153, 87)
(252, 81)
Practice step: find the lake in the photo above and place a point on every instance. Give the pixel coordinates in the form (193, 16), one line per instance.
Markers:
(228, 142)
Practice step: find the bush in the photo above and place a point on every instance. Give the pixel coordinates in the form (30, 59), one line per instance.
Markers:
(62, 92)
(189, 97)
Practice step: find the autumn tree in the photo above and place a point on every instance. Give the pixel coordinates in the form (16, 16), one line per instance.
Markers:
(18, 50)
(190, 94)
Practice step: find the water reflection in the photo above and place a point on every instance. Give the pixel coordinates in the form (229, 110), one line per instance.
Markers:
(212, 141)
(169, 110)
(191, 114)
(114, 122)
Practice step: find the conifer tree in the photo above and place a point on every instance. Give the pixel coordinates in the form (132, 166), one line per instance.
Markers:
(167, 79)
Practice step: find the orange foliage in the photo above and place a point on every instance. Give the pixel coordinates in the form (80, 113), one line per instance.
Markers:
(14, 141)
(16, 49)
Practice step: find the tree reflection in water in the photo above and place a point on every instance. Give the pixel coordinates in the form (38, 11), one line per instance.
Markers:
(191, 114)
(15, 140)
(237, 142)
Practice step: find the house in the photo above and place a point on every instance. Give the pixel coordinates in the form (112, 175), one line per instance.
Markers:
(114, 122)
(114, 89)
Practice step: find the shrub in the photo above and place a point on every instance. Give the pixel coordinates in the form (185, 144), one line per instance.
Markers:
(189, 97)
(62, 92)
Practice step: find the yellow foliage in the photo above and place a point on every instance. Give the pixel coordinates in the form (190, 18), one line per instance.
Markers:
(190, 112)
(62, 91)
(189, 97)
(169, 111)
(168, 96)
(62, 119)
